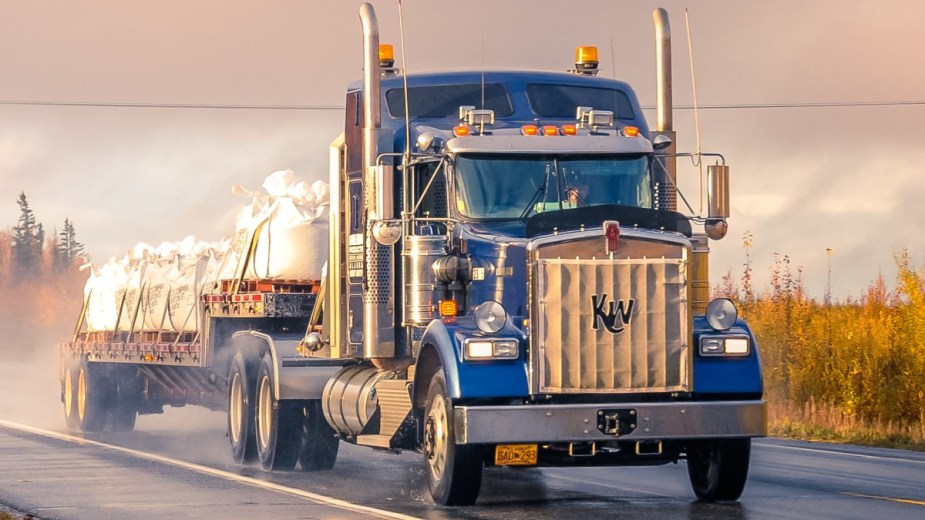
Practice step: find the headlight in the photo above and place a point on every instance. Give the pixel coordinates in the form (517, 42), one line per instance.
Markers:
(490, 316)
(722, 314)
(478, 348)
(724, 346)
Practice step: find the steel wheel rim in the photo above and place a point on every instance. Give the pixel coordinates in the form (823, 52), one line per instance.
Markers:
(236, 406)
(264, 419)
(82, 393)
(68, 393)
(438, 437)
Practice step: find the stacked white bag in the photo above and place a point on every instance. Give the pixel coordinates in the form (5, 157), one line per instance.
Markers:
(280, 235)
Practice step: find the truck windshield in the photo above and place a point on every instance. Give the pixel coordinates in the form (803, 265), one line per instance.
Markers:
(504, 186)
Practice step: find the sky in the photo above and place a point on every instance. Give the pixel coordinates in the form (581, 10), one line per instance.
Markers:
(804, 178)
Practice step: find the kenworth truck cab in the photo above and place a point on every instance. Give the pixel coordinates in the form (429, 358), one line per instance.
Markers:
(508, 283)
(506, 244)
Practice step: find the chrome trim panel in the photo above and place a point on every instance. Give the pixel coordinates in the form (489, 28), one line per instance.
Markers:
(611, 325)
(578, 422)
(573, 144)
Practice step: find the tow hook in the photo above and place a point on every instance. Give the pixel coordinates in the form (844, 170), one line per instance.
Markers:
(617, 422)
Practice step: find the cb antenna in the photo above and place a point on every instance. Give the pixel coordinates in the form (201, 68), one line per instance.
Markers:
(698, 162)
(401, 36)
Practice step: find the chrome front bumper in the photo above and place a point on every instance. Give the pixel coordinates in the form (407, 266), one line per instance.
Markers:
(588, 422)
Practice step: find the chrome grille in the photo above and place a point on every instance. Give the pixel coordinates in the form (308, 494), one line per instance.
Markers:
(581, 306)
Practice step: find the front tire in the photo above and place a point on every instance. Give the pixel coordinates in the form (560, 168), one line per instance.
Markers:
(718, 469)
(454, 472)
(241, 412)
(279, 423)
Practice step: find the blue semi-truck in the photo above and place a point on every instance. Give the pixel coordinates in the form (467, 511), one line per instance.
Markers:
(508, 283)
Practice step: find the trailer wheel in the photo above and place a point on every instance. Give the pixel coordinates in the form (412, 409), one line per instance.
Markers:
(91, 397)
(319, 442)
(241, 412)
(69, 396)
(454, 472)
(279, 426)
(124, 412)
(718, 469)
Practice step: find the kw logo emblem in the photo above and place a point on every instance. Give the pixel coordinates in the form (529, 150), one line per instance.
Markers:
(618, 315)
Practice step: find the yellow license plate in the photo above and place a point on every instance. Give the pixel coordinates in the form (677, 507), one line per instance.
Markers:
(516, 454)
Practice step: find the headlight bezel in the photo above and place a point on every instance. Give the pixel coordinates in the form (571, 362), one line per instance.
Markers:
(732, 345)
(488, 349)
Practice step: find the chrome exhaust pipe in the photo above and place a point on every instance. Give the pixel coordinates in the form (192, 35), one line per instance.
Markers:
(378, 296)
(667, 195)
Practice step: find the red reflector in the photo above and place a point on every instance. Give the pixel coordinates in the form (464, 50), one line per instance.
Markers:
(612, 234)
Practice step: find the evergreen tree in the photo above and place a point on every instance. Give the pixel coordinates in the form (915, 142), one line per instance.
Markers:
(27, 242)
(68, 249)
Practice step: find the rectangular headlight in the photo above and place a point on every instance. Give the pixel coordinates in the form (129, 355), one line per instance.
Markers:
(491, 349)
(724, 346)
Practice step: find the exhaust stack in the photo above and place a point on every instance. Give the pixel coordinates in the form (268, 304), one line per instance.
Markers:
(378, 296)
(668, 198)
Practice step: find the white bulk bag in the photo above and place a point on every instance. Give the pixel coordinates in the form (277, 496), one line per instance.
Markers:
(132, 290)
(183, 301)
(155, 294)
(291, 242)
(100, 292)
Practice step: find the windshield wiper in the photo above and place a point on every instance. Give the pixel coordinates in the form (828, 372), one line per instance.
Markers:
(540, 192)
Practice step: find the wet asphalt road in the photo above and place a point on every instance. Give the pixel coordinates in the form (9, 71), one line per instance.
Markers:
(59, 477)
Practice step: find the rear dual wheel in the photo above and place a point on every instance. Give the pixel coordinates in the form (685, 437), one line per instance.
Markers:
(279, 423)
(240, 411)
(90, 399)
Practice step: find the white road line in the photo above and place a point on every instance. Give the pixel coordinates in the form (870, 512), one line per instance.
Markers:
(601, 484)
(314, 497)
(834, 452)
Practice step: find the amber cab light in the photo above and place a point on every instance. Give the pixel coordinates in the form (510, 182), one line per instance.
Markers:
(529, 130)
(569, 130)
(630, 131)
(386, 55)
(461, 130)
(550, 130)
(586, 57)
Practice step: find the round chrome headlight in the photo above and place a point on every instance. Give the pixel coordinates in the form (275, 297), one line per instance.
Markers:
(490, 316)
(722, 314)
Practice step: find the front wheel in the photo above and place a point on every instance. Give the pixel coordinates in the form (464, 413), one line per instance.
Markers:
(454, 472)
(718, 469)
(279, 423)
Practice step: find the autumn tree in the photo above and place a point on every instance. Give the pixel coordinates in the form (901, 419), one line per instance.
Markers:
(67, 249)
(26, 244)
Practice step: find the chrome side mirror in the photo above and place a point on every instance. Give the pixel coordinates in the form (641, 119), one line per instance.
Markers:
(661, 142)
(717, 201)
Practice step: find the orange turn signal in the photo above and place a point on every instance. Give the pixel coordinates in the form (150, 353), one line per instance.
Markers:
(569, 130)
(461, 130)
(448, 308)
(529, 130)
(550, 130)
(630, 131)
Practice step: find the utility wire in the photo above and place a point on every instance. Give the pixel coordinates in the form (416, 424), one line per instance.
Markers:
(202, 106)
(216, 106)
